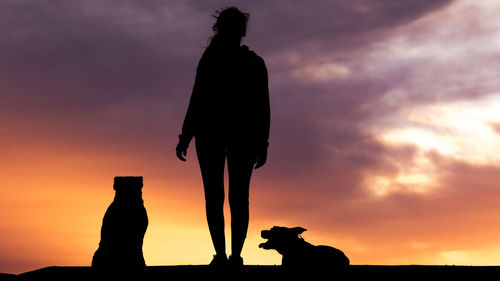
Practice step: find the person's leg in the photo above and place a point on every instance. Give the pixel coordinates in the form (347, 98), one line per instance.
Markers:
(211, 158)
(240, 165)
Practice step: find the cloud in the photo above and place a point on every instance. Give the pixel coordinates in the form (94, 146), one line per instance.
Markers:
(75, 59)
(66, 57)
(370, 102)
(434, 183)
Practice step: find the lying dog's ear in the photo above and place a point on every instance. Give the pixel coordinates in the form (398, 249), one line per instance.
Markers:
(298, 230)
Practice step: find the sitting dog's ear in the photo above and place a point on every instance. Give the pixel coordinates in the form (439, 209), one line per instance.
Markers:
(298, 230)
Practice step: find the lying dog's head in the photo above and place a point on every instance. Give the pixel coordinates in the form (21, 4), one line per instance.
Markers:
(281, 238)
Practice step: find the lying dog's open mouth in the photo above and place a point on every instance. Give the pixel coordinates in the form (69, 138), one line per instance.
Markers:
(266, 234)
(266, 246)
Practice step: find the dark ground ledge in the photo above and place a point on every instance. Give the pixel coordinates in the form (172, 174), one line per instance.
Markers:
(262, 273)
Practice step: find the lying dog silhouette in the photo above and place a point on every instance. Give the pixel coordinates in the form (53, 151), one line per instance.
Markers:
(300, 255)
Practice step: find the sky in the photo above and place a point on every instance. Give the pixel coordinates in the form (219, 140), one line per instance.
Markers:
(385, 127)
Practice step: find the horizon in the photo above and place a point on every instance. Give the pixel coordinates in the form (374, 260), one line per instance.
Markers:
(385, 124)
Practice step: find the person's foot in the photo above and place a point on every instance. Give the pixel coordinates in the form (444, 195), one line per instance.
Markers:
(219, 261)
(235, 262)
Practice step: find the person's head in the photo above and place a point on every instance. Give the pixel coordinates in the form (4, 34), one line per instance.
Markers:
(230, 24)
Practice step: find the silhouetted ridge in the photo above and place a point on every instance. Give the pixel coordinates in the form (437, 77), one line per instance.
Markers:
(274, 273)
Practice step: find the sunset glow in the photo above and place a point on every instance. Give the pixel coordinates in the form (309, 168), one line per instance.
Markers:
(384, 141)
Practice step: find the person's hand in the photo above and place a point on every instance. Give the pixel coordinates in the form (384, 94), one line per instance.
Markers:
(181, 153)
(261, 157)
(182, 146)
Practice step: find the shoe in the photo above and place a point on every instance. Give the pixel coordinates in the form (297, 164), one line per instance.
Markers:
(219, 261)
(235, 262)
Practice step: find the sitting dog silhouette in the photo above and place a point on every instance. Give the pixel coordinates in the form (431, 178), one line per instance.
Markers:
(123, 228)
(300, 255)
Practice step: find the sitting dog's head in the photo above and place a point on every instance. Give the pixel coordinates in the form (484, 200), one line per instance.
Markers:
(281, 238)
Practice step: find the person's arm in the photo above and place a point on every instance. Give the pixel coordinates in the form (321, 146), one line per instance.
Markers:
(264, 115)
(189, 125)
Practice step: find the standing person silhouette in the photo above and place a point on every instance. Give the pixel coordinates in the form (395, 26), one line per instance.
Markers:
(229, 117)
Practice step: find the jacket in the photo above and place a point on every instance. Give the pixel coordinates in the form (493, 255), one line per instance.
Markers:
(230, 98)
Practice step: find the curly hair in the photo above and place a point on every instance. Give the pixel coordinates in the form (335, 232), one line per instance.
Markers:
(230, 22)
